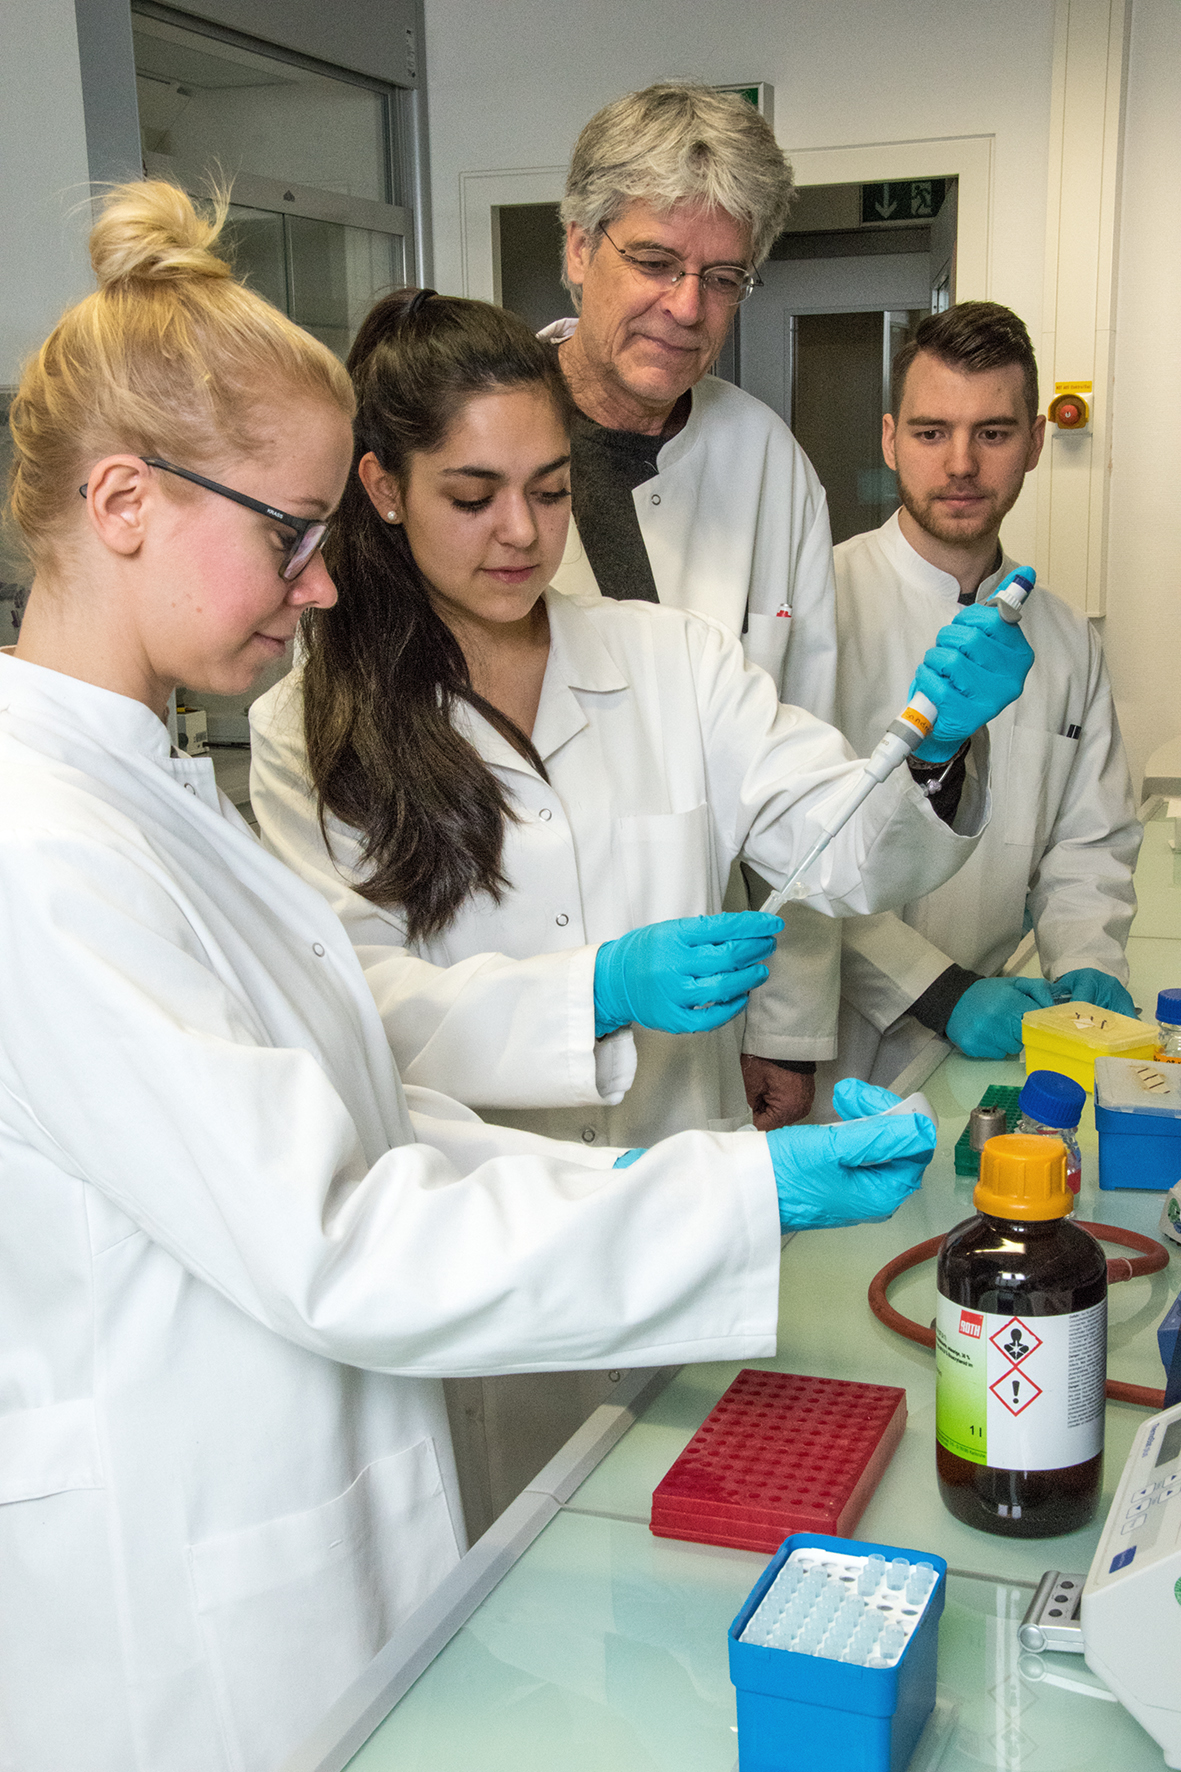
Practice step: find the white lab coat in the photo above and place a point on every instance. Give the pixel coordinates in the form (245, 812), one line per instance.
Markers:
(668, 757)
(232, 1278)
(1064, 836)
(735, 524)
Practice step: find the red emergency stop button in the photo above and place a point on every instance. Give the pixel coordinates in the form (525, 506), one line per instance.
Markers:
(1069, 412)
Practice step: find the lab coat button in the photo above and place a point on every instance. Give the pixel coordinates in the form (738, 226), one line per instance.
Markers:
(189, 788)
(656, 498)
(588, 1135)
(562, 920)
(545, 813)
(318, 949)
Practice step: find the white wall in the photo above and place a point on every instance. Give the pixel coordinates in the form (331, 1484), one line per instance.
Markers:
(511, 84)
(43, 152)
(1143, 624)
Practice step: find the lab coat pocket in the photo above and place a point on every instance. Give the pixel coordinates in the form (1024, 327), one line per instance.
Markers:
(47, 1451)
(666, 865)
(291, 1611)
(1035, 781)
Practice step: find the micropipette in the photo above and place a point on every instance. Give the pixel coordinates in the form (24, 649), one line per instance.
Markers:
(903, 735)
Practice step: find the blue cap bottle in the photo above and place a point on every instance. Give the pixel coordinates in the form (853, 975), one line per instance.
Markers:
(1051, 1103)
(1168, 1014)
(1053, 1100)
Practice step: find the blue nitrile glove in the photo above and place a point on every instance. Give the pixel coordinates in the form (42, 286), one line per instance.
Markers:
(1086, 985)
(986, 1022)
(629, 1157)
(685, 975)
(847, 1174)
(977, 666)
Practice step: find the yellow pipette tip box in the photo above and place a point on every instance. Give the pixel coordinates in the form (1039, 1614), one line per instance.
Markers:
(1069, 1037)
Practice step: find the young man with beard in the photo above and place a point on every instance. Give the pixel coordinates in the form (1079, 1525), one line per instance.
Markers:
(1060, 851)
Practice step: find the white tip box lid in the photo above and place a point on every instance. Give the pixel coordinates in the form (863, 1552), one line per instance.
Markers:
(1138, 1086)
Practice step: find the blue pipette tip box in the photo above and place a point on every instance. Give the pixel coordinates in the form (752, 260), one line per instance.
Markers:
(803, 1713)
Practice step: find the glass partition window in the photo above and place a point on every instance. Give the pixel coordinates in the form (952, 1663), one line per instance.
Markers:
(205, 102)
(325, 275)
(308, 155)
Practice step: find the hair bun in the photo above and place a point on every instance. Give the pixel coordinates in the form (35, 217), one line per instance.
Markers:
(151, 231)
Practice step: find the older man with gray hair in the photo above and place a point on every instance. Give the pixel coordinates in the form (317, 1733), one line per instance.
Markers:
(686, 490)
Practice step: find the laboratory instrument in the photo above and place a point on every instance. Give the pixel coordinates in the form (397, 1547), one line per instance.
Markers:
(1069, 1037)
(1052, 1618)
(1131, 1611)
(998, 1099)
(833, 1656)
(1051, 1107)
(780, 1453)
(1021, 1350)
(1138, 1118)
(985, 1123)
(1170, 1215)
(901, 738)
(1168, 1016)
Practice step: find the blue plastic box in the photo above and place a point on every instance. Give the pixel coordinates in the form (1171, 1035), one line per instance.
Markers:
(1138, 1118)
(802, 1713)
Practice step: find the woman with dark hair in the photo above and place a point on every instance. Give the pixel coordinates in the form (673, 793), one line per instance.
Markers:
(512, 785)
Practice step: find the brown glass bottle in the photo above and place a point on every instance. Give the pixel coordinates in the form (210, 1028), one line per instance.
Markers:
(1031, 1267)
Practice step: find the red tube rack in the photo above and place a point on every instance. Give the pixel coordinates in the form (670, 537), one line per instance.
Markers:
(780, 1453)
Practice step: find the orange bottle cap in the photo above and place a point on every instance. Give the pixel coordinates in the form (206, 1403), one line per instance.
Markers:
(1023, 1175)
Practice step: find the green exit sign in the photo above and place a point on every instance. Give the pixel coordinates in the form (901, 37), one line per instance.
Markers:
(913, 199)
(760, 94)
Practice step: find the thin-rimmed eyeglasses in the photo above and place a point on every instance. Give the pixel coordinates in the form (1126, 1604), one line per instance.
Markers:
(309, 531)
(731, 283)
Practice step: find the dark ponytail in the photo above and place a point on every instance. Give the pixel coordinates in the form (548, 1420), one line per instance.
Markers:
(383, 672)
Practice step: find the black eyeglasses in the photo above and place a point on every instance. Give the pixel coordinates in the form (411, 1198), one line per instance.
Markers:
(309, 531)
(730, 283)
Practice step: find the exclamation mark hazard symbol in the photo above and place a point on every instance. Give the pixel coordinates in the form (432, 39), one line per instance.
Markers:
(1016, 1390)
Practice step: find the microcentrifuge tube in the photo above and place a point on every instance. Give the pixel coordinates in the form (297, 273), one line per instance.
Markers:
(916, 1589)
(897, 1573)
(892, 1642)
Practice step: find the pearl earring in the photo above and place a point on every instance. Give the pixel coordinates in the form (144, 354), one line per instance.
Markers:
(391, 516)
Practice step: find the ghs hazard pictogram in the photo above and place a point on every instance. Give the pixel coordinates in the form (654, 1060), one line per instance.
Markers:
(1016, 1390)
(1015, 1340)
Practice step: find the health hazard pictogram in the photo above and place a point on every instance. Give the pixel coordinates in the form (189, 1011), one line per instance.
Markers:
(1016, 1340)
(1016, 1390)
